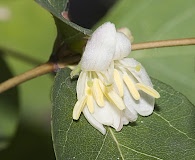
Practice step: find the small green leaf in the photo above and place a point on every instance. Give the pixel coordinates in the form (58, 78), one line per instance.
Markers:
(167, 134)
(9, 108)
(72, 35)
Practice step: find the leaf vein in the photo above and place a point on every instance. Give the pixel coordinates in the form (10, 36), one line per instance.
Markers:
(117, 143)
(66, 137)
(140, 152)
(174, 126)
(101, 146)
(118, 146)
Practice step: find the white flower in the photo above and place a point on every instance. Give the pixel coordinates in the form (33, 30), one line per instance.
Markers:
(111, 89)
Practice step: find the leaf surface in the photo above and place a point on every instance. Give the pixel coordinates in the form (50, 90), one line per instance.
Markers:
(167, 134)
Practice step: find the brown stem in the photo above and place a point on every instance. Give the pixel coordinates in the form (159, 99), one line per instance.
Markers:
(35, 72)
(165, 43)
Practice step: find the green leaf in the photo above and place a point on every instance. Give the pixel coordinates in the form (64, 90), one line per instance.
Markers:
(9, 108)
(71, 34)
(29, 33)
(161, 20)
(167, 134)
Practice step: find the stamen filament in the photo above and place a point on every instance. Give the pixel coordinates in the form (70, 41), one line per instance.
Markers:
(90, 104)
(97, 93)
(89, 99)
(131, 86)
(118, 102)
(119, 82)
(112, 96)
(78, 108)
(148, 90)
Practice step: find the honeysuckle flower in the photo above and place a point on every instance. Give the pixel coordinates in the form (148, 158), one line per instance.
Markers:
(111, 89)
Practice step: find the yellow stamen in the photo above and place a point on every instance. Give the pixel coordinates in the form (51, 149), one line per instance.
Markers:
(90, 104)
(148, 90)
(131, 87)
(112, 96)
(97, 93)
(118, 102)
(78, 108)
(119, 82)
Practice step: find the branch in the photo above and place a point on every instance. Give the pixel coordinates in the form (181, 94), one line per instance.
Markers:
(164, 43)
(35, 72)
(50, 67)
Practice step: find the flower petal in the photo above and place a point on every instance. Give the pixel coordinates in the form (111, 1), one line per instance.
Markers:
(123, 46)
(108, 115)
(140, 74)
(93, 121)
(81, 84)
(100, 49)
(126, 32)
(130, 115)
(129, 101)
(144, 106)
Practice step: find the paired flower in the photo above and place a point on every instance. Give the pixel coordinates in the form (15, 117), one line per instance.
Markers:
(111, 89)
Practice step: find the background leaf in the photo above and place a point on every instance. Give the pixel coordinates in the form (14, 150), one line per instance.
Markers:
(161, 20)
(34, 42)
(29, 31)
(72, 35)
(167, 134)
(9, 108)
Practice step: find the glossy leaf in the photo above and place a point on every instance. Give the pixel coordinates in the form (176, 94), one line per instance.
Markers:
(71, 34)
(161, 20)
(167, 134)
(9, 108)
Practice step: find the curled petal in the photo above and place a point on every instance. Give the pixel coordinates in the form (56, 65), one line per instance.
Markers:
(108, 115)
(100, 49)
(93, 121)
(137, 70)
(81, 84)
(144, 106)
(123, 46)
(127, 33)
(130, 115)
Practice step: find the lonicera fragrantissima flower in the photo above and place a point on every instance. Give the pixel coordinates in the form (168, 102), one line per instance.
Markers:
(111, 89)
